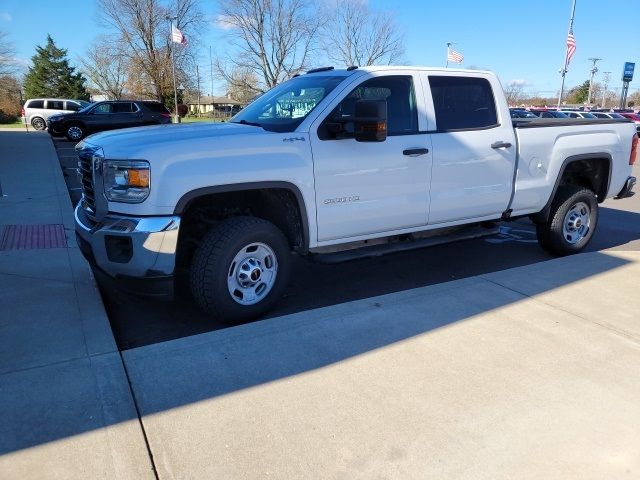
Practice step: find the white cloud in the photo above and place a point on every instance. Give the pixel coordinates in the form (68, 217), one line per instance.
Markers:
(5, 17)
(223, 23)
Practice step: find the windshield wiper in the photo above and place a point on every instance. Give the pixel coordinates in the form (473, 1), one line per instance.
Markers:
(244, 122)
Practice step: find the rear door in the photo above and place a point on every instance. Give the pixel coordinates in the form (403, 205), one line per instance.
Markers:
(127, 114)
(474, 148)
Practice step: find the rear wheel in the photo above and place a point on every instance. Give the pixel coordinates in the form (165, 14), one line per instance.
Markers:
(240, 269)
(571, 223)
(75, 132)
(38, 123)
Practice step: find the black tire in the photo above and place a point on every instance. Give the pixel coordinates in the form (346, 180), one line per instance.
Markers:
(213, 262)
(552, 235)
(38, 123)
(75, 132)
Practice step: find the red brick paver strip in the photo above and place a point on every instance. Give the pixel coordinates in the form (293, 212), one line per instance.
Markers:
(32, 237)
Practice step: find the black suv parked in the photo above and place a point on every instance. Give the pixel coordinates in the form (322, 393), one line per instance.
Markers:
(107, 116)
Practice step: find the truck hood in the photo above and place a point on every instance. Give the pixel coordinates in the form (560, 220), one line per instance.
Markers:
(129, 142)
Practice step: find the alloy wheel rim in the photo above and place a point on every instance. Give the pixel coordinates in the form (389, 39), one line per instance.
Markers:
(75, 132)
(252, 273)
(38, 124)
(577, 223)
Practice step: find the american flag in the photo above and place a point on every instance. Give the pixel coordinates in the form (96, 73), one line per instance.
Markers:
(571, 46)
(453, 56)
(177, 36)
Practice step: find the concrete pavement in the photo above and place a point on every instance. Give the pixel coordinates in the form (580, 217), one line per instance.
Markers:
(66, 409)
(525, 373)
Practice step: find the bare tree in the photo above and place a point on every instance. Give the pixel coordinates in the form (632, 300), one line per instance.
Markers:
(7, 52)
(144, 39)
(106, 68)
(514, 92)
(242, 86)
(270, 38)
(357, 35)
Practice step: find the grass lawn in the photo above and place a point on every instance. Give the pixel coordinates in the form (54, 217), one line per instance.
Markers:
(16, 124)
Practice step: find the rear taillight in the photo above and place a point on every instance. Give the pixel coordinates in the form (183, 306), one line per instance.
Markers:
(634, 150)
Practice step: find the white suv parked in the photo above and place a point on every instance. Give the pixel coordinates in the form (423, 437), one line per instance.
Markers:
(37, 110)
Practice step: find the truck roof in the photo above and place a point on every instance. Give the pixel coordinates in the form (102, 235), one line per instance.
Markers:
(379, 68)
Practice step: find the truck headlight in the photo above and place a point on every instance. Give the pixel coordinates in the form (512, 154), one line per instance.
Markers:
(126, 180)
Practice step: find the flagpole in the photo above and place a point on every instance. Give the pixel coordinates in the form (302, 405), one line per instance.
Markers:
(566, 57)
(173, 67)
(448, 48)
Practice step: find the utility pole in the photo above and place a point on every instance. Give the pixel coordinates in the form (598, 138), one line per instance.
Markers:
(607, 77)
(211, 63)
(593, 71)
(198, 80)
(564, 70)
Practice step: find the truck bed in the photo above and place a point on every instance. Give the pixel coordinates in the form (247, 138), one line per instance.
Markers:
(564, 122)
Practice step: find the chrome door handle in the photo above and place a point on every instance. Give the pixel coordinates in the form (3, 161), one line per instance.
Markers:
(500, 144)
(414, 152)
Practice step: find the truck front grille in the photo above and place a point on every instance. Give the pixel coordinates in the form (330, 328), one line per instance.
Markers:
(85, 168)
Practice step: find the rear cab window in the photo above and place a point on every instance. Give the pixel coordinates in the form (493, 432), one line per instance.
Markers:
(463, 103)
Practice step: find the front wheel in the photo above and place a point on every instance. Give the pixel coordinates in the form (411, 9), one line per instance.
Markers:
(75, 132)
(240, 269)
(571, 223)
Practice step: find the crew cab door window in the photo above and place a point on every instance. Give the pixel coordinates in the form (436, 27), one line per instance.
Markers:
(463, 103)
(470, 178)
(364, 188)
(399, 93)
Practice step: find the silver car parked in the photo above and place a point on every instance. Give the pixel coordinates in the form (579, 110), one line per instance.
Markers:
(36, 111)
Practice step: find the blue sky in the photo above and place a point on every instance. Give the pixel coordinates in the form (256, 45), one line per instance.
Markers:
(521, 40)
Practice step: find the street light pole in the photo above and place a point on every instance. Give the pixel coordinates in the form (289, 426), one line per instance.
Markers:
(607, 76)
(173, 67)
(593, 71)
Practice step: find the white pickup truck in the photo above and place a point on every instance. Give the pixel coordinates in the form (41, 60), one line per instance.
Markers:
(337, 164)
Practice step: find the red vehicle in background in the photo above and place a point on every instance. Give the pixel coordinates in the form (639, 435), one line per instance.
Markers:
(632, 116)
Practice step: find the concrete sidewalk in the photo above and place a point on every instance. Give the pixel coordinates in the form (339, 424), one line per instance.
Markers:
(523, 374)
(66, 409)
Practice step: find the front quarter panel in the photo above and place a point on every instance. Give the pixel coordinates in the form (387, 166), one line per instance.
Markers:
(181, 167)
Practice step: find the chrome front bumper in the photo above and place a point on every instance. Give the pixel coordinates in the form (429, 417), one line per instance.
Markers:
(132, 247)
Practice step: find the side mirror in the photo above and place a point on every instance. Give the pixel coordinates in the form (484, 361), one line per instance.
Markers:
(370, 122)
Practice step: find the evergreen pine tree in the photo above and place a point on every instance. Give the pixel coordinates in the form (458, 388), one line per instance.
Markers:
(50, 75)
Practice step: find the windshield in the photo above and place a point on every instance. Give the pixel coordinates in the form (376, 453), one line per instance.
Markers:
(285, 106)
(85, 108)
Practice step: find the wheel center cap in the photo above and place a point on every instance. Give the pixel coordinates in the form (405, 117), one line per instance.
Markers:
(255, 274)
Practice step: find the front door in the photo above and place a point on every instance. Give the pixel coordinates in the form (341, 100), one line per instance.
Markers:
(365, 188)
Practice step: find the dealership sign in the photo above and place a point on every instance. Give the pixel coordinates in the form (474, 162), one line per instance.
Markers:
(627, 73)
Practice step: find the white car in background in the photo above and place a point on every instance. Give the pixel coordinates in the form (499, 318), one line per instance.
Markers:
(36, 111)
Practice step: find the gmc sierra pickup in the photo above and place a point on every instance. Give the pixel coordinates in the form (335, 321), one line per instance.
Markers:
(337, 164)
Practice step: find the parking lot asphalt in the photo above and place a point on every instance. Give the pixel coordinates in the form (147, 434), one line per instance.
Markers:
(138, 321)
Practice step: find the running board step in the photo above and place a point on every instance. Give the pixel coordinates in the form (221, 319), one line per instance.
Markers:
(404, 245)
